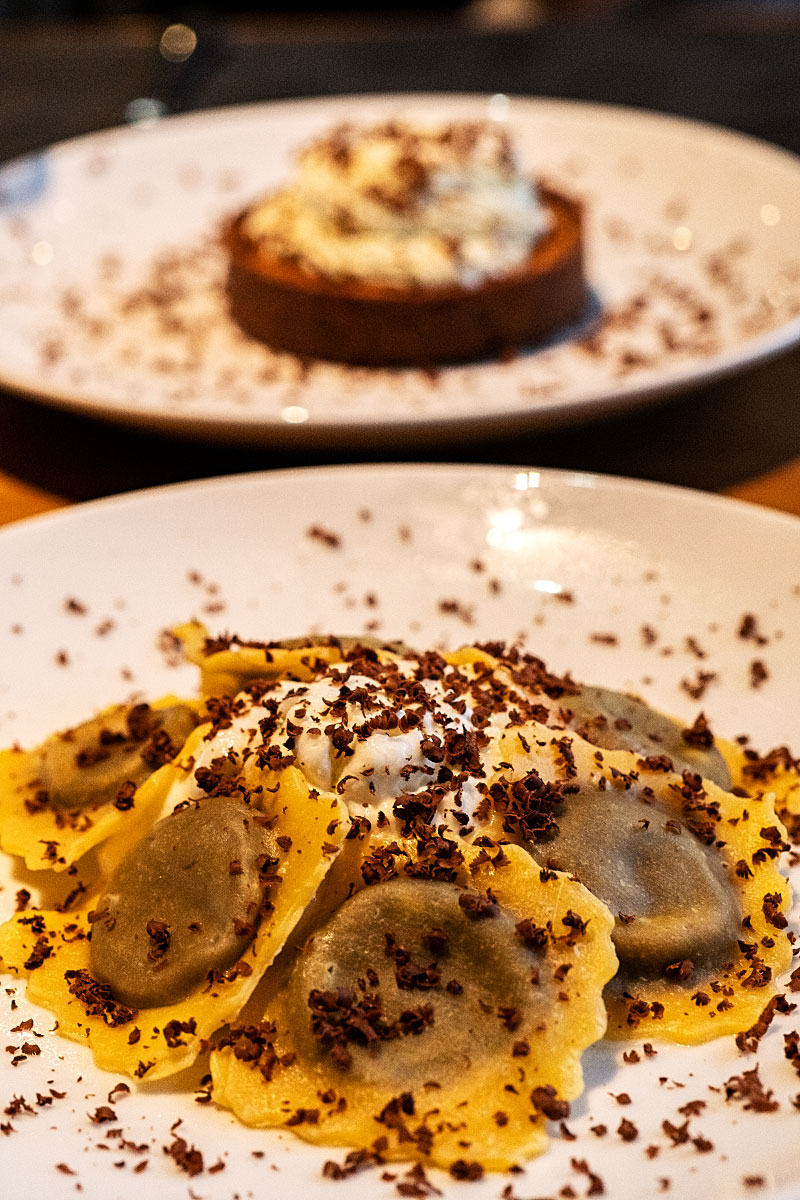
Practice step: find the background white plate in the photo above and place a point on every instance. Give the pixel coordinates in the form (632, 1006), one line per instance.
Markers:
(504, 544)
(111, 299)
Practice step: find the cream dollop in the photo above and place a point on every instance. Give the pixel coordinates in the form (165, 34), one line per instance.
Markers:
(397, 745)
(405, 205)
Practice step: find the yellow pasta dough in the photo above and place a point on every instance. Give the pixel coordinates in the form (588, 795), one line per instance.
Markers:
(227, 665)
(53, 838)
(496, 971)
(777, 772)
(451, 874)
(53, 950)
(689, 870)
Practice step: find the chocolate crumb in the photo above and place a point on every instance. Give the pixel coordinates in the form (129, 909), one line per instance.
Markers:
(596, 1185)
(749, 631)
(627, 1130)
(187, 1157)
(102, 1114)
(324, 536)
(696, 688)
(466, 1171)
(544, 1098)
(749, 1088)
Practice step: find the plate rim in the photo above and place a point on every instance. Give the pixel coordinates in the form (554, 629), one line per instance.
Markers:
(565, 476)
(219, 112)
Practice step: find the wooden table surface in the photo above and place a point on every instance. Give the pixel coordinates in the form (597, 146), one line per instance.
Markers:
(739, 436)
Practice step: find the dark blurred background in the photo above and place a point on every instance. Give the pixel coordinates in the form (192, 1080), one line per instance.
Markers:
(96, 8)
(71, 66)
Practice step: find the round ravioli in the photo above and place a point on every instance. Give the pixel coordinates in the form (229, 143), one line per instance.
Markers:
(618, 721)
(189, 922)
(185, 903)
(464, 865)
(81, 786)
(608, 719)
(689, 871)
(229, 664)
(439, 1013)
(668, 888)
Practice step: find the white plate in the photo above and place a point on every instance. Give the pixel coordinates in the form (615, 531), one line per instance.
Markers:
(111, 299)
(505, 544)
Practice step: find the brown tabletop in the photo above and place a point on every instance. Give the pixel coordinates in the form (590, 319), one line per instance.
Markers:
(740, 435)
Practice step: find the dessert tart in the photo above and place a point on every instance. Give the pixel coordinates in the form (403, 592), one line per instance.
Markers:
(398, 245)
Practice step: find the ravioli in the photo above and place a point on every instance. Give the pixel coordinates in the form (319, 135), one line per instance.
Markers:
(608, 719)
(55, 952)
(449, 872)
(777, 772)
(616, 721)
(81, 786)
(439, 1014)
(690, 872)
(185, 903)
(229, 664)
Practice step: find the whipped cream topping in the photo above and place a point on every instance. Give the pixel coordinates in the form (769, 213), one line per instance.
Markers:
(405, 205)
(372, 746)
(402, 741)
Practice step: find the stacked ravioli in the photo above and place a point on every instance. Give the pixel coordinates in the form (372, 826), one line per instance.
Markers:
(413, 888)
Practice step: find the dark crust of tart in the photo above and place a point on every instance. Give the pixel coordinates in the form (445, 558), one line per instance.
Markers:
(379, 325)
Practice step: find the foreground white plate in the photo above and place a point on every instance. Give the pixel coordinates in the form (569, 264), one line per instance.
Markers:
(111, 299)
(567, 562)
